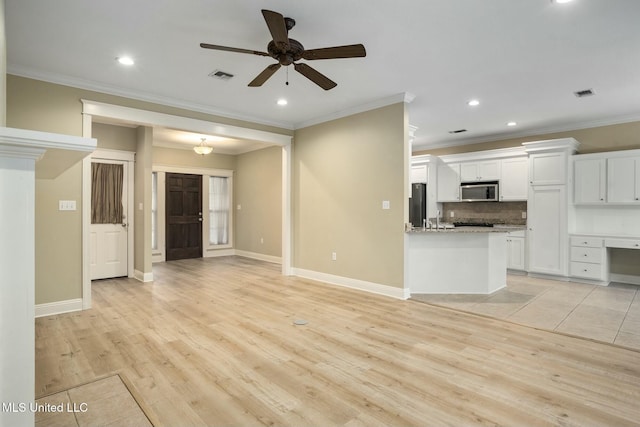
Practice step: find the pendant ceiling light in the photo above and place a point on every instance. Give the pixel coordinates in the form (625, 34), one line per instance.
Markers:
(202, 148)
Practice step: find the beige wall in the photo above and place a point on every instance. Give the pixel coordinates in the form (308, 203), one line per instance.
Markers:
(258, 190)
(189, 159)
(343, 170)
(625, 136)
(47, 107)
(58, 235)
(142, 197)
(114, 137)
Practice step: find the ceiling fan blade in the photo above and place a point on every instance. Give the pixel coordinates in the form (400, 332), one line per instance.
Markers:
(277, 28)
(264, 75)
(315, 76)
(232, 49)
(350, 51)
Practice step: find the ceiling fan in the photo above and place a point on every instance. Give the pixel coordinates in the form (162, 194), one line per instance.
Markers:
(287, 51)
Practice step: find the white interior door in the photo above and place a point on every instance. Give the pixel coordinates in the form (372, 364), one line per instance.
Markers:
(108, 242)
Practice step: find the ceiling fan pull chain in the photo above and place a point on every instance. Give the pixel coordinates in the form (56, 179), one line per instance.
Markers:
(287, 82)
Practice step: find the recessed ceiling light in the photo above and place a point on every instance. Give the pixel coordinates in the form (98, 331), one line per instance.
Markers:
(282, 102)
(560, 1)
(473, 103)
(511, 123)
(125, 60)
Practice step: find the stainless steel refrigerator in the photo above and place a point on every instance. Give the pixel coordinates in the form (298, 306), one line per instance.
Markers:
(418, 204)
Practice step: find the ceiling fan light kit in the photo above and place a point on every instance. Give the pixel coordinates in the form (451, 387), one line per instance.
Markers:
(288, 51)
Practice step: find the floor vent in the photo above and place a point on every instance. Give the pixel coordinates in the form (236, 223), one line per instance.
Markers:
(583, 93)
(457, 131)
(222, 75)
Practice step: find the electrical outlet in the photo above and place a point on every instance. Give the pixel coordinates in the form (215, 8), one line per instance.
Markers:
(451, 214)
(386, 204)
(334, 256)
(524, 215)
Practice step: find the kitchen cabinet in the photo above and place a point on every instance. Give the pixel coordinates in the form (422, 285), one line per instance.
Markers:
(548, 168)
(448, 182)
(516, 244)
(419, 174)
(488, 170)
(590, 181)
(588, 258)
(514, 179)
(623, 180)
(547, 236)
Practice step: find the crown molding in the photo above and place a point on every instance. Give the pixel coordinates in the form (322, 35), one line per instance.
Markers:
(138, 95)
(573, 126)
(404, 97)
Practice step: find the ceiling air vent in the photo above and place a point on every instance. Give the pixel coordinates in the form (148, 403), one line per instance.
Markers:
(222, 75)
(583, 93)
(457, 131)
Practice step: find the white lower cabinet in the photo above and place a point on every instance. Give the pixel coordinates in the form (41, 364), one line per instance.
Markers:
(588, 258)
(516, 244)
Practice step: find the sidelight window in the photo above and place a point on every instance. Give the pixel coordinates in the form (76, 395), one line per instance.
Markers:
(154, 210)
(219, 210)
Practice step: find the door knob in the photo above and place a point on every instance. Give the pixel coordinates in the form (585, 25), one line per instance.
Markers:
(124, 224)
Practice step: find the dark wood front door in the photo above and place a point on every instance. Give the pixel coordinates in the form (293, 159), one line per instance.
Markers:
(183, 216)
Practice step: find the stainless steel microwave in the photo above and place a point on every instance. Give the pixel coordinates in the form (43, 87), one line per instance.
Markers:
(479, 191)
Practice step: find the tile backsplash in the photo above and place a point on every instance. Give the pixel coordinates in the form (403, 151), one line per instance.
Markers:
(491, 212)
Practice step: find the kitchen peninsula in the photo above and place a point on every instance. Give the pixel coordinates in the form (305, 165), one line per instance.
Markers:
(464, 260)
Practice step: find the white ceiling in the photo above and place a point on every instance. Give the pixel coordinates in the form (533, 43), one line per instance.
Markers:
(522, 59)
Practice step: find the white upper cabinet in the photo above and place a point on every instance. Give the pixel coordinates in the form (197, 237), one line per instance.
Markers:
(548, 168)
(590, 181)
(419, 174)
(480, 171)
(449, 182)
(514, 179)
(611, 178)
(623, 180)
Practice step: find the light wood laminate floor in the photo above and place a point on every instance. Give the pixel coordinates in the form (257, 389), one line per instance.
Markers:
(213, 342)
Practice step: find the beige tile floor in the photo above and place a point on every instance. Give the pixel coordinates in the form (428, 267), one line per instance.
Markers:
(105, 402)
(604, 313)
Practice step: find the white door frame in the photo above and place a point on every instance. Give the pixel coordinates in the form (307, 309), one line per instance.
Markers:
(100, 154)
(150, 118)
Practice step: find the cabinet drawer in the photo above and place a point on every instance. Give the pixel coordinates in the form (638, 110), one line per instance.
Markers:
(586, 270)
(623, 243)
(589, 242)
(592, 255)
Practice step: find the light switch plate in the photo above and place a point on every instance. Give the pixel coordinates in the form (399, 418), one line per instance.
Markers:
(66, 205)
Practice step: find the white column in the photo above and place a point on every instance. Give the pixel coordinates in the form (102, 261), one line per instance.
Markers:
(17, 283)
(19, 151)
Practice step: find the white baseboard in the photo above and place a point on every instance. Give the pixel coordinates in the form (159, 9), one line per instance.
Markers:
(213, 253)
(362, 285)
(143, 277)
(258, 256)
(58, 307)
(549, 277)
(624, 278)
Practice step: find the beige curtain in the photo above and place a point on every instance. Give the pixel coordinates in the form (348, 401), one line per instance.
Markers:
(106, 193)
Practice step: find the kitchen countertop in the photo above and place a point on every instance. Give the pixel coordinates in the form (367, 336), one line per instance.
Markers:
(468, 229)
